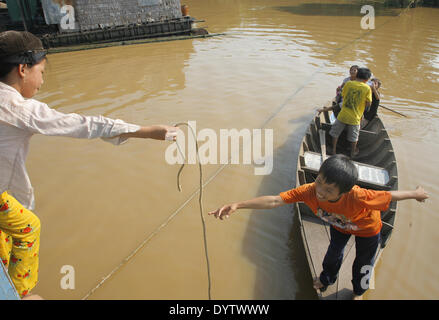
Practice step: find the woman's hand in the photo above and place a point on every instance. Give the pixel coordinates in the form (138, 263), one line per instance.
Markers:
(164, 132)
(171, 133)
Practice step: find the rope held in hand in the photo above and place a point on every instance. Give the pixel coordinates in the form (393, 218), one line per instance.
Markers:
(200, 202)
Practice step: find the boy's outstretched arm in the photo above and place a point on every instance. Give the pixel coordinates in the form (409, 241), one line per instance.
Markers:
(418, 194)
(264, 202)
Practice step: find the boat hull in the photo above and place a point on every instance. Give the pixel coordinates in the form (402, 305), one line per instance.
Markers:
(376, 153)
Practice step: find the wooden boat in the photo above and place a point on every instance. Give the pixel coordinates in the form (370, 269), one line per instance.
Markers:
(377, 168)
(7, 289)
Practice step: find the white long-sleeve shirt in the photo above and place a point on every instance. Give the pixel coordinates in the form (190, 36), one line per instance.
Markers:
(21, 118)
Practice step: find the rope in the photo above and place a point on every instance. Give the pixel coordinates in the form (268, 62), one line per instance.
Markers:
(200, 202)
(172, 216)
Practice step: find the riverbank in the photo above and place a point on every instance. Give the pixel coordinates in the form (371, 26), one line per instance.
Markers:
(411, 3)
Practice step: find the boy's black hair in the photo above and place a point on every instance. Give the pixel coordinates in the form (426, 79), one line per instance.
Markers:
(341, 171)
(364, 74)
(354, 66)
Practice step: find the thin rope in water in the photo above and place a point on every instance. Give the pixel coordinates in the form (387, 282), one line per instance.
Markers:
(221, 168)
(200, 203)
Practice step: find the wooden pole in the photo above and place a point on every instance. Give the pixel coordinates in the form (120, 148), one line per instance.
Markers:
(322, 135)
(387, 108)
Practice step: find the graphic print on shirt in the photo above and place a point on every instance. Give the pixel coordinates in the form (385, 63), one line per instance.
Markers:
(352, 99)
(337, 220)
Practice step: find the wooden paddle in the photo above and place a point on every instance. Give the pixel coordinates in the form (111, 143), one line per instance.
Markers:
(387, 108)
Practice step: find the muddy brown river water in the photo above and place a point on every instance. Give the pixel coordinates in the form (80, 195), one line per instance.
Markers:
(277, 62)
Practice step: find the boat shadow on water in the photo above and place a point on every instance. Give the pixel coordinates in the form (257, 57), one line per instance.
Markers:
(272, 238)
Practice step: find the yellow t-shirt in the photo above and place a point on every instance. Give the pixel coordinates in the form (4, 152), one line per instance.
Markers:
(355, 94)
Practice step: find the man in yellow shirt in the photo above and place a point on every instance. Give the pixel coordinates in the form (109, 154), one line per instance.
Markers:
(357, 96)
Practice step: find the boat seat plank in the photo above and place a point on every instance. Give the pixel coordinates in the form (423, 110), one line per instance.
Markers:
(367, 174)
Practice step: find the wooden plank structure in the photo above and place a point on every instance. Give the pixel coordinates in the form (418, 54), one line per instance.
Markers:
(99, 22)
(377, 168)
(182, 26)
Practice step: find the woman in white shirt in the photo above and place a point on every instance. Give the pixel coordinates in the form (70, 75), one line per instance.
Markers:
(22, 64)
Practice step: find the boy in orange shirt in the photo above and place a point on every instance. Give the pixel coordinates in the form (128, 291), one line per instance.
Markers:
(349, 209)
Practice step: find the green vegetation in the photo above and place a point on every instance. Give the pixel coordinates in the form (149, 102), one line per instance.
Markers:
(430, 3)
(412, 3)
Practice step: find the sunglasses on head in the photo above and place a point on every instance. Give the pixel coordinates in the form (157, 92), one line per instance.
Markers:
(30, 57)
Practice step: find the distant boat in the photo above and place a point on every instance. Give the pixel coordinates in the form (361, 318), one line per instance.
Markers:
(377, 168)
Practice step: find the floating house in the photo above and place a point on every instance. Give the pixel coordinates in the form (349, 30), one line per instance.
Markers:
(61, 23)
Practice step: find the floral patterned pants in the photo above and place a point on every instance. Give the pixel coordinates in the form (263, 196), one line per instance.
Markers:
(19, 243)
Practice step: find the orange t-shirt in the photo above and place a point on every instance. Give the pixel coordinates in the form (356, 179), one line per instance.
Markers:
(356, 212)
